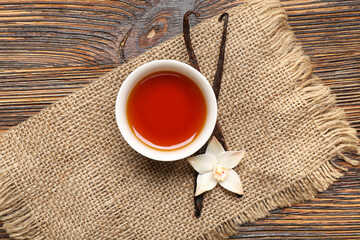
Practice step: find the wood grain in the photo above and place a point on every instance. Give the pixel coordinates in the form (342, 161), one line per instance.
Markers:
(49, 49)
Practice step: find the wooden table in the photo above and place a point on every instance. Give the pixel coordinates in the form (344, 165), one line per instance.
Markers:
(48, 49)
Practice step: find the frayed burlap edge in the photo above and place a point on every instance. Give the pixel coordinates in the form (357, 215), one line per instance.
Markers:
(17, 218)
(329, 119)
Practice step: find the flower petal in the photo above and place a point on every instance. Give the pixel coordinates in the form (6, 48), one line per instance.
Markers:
(214, 148)
(230, 159)
(205, 182)
(232, 183)
(203, 163)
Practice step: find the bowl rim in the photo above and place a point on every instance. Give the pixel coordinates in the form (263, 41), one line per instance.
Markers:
(156, 66)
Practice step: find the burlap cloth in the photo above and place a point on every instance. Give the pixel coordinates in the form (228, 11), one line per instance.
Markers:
(67, 173)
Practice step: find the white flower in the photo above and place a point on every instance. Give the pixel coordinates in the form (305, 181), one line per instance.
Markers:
(215, 166)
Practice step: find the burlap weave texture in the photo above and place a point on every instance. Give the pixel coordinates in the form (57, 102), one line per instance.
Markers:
(67, 173)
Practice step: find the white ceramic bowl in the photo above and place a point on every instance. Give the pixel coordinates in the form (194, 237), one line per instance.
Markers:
(157, 66)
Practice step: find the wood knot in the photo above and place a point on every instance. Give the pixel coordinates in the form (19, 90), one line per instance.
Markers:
(156, 29)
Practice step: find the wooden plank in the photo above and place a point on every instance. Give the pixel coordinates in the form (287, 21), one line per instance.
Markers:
(48, 49)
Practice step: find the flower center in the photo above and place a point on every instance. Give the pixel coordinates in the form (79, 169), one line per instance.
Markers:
(220, 173)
